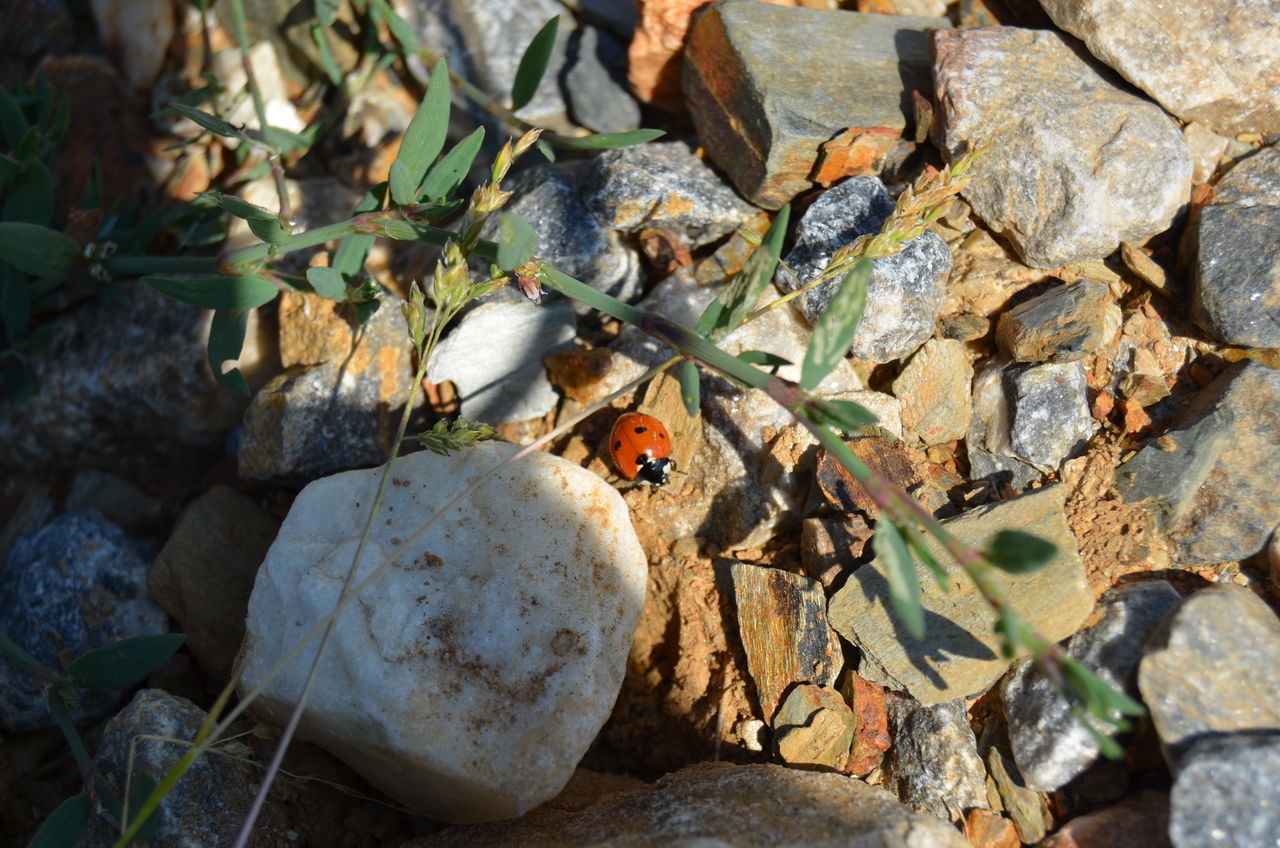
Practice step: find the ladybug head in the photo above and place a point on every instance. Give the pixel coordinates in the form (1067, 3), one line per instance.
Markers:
(655, 471)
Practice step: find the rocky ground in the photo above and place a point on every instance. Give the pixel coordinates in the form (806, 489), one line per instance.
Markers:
(1084, 347)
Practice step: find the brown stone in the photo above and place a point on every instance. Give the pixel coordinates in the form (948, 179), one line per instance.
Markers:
(830, 546)
(814, 727)
(578, 373)
(871, 737)
(891, 460)
(1141, 822)
(988, 829)
(855, 152)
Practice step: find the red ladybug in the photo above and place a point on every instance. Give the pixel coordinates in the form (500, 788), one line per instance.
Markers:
(641, 446)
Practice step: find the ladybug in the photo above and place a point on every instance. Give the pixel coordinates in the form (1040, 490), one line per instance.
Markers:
(641, 448)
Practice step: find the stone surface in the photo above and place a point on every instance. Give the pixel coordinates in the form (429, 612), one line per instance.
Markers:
(1140, 822)
(1236, 283)
(1051, 420)
(933, 765)
(470, 677)
(76, 584)
(663, 185)
(483, 41)
(988, 829)
(138, 34)
(989, 443)
(1215, 64)
(1207, 148)
(871, 736)
(211, 801)
(203, 575)
(507, 381)
(764, 116)
(270, 75)
(1075, 164)
(1050, 746)
(1063, 324)
(830, 547)
(960, 655)
(905, 292)
(108, 396)
(893, 461)
(552, 198)
(595, 84)
(728, 806)
(934, 389)
(1225, 792)
(751, 474)
(655, 57)
(814, 727)
(1213, 493)
(782, 621)
(1210, 669)
(1024, 806)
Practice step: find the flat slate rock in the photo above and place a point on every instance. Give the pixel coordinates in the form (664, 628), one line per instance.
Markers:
(1227, 785)
(764, 115)
(960, 654)
(1211, 669)
(1063, 324)
(1215, 63)
(1075, 164)
(1213, 494)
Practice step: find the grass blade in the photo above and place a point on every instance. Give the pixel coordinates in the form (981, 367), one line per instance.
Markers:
(603, 141)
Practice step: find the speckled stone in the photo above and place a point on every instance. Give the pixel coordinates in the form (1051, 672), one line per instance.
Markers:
(933, 764)
(1061, 325)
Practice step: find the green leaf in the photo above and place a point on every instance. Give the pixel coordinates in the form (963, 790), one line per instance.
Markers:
(843, 415)
(690, 387)
(832, 335)
(65, 825)
(16, 377)
(13, 124)
(533, 64)
(330, 65)
(9, 170)
(216, 292)
(348, 259)
(61, 121)
(545, 149)
(15, 305)
(37, 250)
(900, 570)
(287, 141)
(212, 123)
(604, 141)
(1015, 552)
(400, 29)
(1101, 700)
(516, 241)
(327, 282)
(123, 662)
(241, 208)
(270, 230)
(424, 137)
(140, 788)
(31, 196)
(446, 175)
(763, 357)
(91, 196)
(226, 340)
(923, 555)
(326, 11)
(740, 296)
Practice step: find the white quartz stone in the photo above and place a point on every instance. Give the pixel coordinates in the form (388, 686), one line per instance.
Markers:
(468, 679)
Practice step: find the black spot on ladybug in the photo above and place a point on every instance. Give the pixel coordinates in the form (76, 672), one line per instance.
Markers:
(641, 429)
(617, 445)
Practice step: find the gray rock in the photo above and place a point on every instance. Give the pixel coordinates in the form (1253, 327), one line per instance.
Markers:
(118, 500)
(1226, 791)
(935, 391)
(111, 396)
(782, 621)
(664, 185)
(504, 382)
(989, 443)
(960, 654)
(76, 584)
(718, 805)
(309, 422)
(211, 801)
(1212, 63)
(764, 116)
(552, 198)
(618, 16)
(1075, 164)
(1236, 294)
(1051, 419)
(1210, 669)
(933, 765)
(1049, 743)
(1024, 806)
(595, 83)
(1213, 495)
(483, 41)
(905, 292)
(1064, 324)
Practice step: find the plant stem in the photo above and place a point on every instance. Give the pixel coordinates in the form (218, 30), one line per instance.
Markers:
(277, 172)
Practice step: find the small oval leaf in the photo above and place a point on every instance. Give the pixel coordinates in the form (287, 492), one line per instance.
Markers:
(64, 826)
(123, 662)
(516, 241)
(37, 250)
(226, 340)
(446, 175)
(1016, 552)
(604, 141)
(212, 123)
(327, 282)
(836, 327)
(216, 292)
(533, 64)
(31, 196)
(690, 387)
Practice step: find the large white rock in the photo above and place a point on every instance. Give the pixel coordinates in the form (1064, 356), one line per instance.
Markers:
(468, 679)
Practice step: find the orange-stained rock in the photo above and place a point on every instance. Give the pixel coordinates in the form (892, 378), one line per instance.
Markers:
(988, 829)
(654, 57)
(856, 152)
(871, 738)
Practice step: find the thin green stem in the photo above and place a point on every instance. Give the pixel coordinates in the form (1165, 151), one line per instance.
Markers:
(259, 106)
